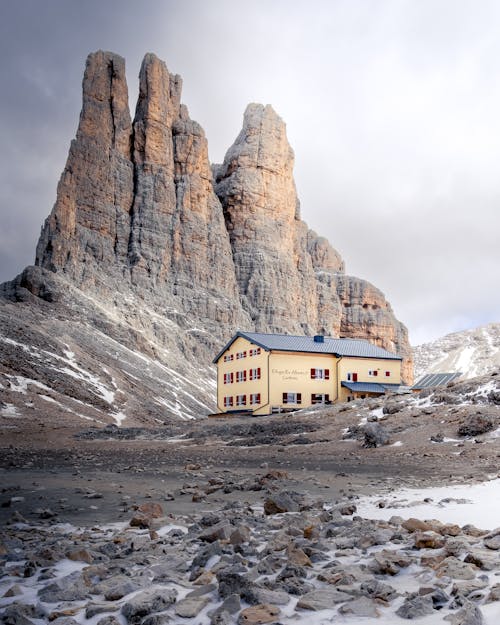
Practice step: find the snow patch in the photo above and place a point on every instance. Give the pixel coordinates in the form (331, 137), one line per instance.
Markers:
(19, 384)
(118, 417)
(482, 508)
(10, 411)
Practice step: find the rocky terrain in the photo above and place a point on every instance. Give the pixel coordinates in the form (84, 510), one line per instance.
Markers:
(472, 352)
(151, 259)
(121, 504)
(253, 521)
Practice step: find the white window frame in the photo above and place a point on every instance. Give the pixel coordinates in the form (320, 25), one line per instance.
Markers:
(241, 400)
(292, 398)
(255, 399)
(323, 397)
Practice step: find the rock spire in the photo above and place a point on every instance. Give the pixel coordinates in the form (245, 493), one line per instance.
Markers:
(177, 254)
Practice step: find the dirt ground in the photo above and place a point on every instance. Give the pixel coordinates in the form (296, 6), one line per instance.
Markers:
(85, 476)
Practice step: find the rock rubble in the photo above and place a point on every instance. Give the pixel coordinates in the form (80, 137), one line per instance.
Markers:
(240, 565)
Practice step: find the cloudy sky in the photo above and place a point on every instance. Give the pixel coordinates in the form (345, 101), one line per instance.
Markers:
(392, 108)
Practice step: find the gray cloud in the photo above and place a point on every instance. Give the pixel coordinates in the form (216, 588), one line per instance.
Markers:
(391, 108)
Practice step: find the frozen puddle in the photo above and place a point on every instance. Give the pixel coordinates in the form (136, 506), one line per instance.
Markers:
(482, 506)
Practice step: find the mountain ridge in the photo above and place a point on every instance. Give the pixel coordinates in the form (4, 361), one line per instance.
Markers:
(472, 352)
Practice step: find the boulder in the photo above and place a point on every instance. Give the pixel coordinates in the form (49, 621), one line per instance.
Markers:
(492, 540)
(323, 599)
(72, 587)
(362, 606)
(375, 435)
(470, 614)
(476, 425)
(278, 503)
(258, 615)
(190, 607)
(147, 602)
(416, 607)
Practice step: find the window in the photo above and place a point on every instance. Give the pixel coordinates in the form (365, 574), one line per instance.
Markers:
(228, 357)
(255, 351)
(387, 374)
(320, 398)
(241, 400)
(241, 376)
(352, 377)
(240, 355)
(254, 399)
(228, 378)
(320, 374)
(228, 401)
(254, 374)
(292, 398)
(373, 372)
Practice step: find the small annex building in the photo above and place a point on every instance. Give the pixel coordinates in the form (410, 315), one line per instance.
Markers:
(268, 373)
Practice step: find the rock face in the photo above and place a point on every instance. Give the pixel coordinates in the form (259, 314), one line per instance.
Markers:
(135, 207)
(291, 280)
(175, 255)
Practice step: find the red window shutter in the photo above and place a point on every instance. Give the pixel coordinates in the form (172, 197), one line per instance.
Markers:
(299, 398)
(244, 376)
(258, 398)
(387, 374)
(327, 397)
(313, 374)
(354, 377)
(250, 374)
(258, 373)
(244, 354)
(327, 374)
(285, 397)
(232, 377)
(244, 400)
(375, 372)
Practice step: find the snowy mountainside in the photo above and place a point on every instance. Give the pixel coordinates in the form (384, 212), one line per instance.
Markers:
(472, 352)
(87, 361)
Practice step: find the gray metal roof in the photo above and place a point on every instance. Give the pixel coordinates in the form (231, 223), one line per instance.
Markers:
(287, 343)
(369, 387)
(435, 379)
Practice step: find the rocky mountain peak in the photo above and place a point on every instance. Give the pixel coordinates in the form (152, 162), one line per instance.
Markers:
(167, 257)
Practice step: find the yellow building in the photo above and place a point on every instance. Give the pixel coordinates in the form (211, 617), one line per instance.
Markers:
(267, 373)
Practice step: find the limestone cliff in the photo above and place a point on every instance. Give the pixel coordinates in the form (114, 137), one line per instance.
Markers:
(136, 211)
(290, 279)
(167, 258)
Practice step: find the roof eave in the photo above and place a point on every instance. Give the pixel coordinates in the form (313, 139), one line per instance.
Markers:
(238, 334)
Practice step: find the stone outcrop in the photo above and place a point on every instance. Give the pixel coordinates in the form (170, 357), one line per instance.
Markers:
(88, 228)
(136, 210)
(177, 254)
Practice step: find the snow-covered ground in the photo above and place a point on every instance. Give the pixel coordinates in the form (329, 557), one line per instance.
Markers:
(477, 504)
